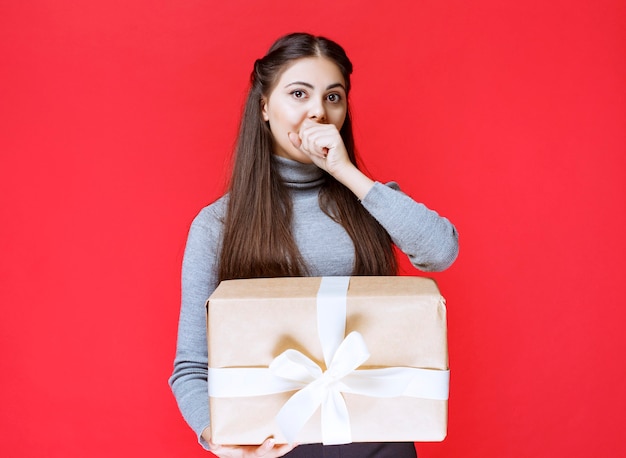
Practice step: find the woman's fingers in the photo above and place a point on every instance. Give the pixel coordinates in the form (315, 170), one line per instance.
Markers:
(319, 139)
(295, 139)
(324, 145)
(265, 448)
(283, 449)
(268, 449)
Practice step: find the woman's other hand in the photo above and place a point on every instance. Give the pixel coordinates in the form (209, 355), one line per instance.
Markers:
(268, 449)
(324, 145)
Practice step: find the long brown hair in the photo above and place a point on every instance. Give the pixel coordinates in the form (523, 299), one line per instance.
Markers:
(258, 239)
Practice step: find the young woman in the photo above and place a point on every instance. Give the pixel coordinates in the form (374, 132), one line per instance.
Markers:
(297, 205)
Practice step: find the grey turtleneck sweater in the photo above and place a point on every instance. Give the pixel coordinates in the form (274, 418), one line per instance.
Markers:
(430, 242)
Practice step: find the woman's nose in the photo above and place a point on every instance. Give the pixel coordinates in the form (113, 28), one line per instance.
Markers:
(317, 111)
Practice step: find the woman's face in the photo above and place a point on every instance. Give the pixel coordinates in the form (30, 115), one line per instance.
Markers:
(310, 88)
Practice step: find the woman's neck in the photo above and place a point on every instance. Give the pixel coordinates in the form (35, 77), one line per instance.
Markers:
(298, 175)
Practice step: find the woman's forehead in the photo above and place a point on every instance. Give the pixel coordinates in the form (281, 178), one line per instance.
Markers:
(320, 70)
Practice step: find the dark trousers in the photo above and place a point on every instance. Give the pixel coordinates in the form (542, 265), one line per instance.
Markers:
(356, 450)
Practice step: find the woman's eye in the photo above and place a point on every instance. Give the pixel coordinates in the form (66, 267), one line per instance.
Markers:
(334, 98)
(298, 94)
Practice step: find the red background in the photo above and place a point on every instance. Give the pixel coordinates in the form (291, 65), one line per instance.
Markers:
(116, 120)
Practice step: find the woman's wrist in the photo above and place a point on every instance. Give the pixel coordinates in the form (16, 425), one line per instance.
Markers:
(355, 180)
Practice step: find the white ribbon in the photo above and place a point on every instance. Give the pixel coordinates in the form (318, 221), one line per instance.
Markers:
(292, 370)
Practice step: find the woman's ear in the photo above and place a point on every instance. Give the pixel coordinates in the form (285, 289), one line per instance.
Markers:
(264, 109)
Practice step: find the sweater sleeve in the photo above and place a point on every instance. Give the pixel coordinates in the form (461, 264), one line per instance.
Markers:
(189, 378)
(429, 240)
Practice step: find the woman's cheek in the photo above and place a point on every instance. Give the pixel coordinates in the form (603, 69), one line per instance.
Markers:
(295, 120)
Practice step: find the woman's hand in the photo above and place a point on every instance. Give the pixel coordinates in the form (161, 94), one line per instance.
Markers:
(324, 145)
(268, 449)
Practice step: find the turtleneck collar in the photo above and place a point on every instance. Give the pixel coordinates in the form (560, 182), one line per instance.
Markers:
(298, 175)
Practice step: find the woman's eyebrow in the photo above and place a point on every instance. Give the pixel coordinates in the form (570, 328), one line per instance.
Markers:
(333, 86)
(300, 83)
(310, 86)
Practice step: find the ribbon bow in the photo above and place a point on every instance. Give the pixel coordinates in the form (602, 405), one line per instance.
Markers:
(321, 389)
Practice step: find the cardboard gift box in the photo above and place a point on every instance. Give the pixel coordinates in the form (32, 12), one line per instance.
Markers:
(327, 359)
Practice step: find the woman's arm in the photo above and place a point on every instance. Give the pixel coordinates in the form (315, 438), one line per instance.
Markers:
(189, 378)
(429, 240)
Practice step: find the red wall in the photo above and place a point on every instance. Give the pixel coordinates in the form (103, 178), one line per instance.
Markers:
(117, 117)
